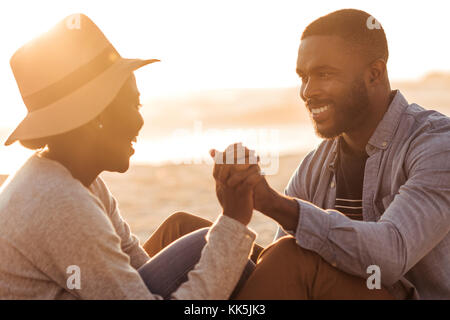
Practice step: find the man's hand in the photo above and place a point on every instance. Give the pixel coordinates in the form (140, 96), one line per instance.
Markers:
(235, 181)
(264, 196)
(281, 208)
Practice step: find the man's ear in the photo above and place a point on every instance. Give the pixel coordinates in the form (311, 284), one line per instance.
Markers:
(377, 72)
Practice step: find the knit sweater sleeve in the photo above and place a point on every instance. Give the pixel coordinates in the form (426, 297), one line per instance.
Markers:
(83, 236)
(79, 233)
(223, 259)
(129, 242)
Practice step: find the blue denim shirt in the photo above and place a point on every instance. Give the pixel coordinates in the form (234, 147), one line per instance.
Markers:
(406, 204)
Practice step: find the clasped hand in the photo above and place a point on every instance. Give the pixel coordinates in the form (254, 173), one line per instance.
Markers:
(236, 179)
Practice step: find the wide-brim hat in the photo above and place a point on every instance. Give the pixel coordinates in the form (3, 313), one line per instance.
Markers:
(67, 77)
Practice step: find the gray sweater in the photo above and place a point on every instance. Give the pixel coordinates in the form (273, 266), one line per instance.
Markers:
(50, 221)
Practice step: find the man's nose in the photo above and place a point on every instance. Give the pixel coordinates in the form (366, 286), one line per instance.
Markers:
(309, 89)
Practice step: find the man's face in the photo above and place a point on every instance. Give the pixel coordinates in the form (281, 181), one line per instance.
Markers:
(333, 86)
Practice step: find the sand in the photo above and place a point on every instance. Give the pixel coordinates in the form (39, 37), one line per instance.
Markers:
(147, 195)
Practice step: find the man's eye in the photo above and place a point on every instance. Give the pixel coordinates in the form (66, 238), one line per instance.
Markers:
(324, 75)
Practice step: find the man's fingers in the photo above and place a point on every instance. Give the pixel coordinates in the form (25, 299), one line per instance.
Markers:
(235, 154)
(250, 182)
(219, 158)
(224, 173)
(240, 176)
(236, 157)
(246, 156)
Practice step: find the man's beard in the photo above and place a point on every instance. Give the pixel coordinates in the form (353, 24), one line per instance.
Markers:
(350, 113)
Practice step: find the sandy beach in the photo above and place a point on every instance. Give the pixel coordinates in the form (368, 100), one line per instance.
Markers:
(149, 194)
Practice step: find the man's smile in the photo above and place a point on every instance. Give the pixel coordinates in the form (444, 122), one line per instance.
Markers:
(320, 112)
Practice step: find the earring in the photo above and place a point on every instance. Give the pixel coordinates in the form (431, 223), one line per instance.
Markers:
(100, 126)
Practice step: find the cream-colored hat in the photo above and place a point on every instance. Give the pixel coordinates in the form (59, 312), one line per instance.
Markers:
(67, 77)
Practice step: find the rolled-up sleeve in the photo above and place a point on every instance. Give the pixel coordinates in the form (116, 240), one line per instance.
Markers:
(352, 245)
(413, 224)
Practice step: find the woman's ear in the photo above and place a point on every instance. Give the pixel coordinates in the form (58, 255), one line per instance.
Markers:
(97, 123)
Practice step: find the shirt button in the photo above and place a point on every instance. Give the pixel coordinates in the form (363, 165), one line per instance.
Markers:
(332, 184)
(384, 144)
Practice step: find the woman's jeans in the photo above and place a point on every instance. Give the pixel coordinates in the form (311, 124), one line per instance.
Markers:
(167, 270)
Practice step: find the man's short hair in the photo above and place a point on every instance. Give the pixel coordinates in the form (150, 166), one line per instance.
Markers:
(357, 27)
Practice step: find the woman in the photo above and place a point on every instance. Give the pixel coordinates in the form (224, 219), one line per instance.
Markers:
(61, 233)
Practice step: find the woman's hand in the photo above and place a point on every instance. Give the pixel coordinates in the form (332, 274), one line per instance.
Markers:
(235, 182)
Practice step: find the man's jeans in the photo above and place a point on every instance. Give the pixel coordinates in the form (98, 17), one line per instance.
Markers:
(168, 269)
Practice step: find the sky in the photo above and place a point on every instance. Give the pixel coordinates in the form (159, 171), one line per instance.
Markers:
(221, 44)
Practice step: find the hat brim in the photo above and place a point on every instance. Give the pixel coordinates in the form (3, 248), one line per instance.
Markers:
(79, 107)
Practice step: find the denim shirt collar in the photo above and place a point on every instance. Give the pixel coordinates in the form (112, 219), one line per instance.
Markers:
(383, 134)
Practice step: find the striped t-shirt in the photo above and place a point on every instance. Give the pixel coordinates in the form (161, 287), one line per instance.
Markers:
(349, 182)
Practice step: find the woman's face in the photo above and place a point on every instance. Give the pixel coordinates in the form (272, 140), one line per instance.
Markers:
(120, 122)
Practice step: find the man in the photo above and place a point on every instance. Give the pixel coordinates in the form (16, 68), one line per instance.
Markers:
(383, 161)
(367, 213)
